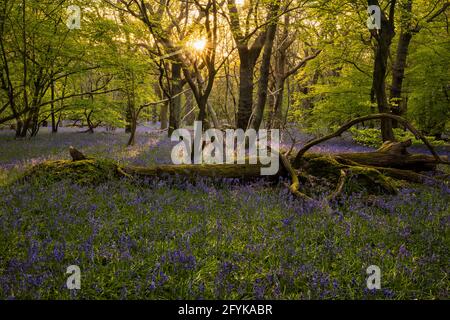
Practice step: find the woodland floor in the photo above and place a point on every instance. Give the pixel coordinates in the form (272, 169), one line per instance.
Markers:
(227, 240)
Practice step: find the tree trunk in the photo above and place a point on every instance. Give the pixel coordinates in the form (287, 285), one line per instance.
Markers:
(26, 123)
(275, 114)
(213, 115)
(189, 113)
(248, 55)
(175, 103)
(398, 105)
(280, 69)
(246, 88)
(128, 117)
(163, 115)
(398, 74)
(25, 127)
(52, 106)
(133, 127)
(19, 125)
(264, 76)
(384, 39)
(387, 133)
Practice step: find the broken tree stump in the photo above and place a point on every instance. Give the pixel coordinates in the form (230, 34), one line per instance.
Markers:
(76, 155)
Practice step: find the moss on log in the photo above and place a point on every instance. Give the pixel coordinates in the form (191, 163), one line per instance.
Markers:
(330, 168)
(92, 171)
(88, 171)
(415, 162)
(349, 175)
(239, 171)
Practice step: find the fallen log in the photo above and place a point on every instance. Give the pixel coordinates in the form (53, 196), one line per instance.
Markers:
(391, 154)
(376, 172)
(394, 155)
(400, 174)
(348, 176)
(227, 171)
(415, 162)
(328, 167)
(93, 171)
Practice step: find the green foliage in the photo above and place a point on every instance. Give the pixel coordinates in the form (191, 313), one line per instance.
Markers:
(337, 101)
(338, 82)
(428, 82)
(372, 137)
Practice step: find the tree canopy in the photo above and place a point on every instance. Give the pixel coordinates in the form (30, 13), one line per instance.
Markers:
(227, 63)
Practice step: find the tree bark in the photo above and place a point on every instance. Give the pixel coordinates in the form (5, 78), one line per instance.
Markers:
(276, 112)
(52, 106)
(398, 105)
(393, 155)
(246, 87)
(248, 55)
(264, 72)
(133, 127)
(175, 102)
(189, 113)
(128, 117)
(384, 39)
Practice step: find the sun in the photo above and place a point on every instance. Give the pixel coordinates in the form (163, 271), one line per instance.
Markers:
(199, 44)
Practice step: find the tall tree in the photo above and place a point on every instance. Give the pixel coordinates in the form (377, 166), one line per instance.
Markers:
(383, 39)
(408, 29)
(248, 55)
(264, 72)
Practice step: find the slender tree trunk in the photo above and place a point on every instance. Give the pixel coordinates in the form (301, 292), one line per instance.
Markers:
(271, 102)
(280, 67)
(19, 125)
(278, 103)
(52, 106)
(163, 115)
(246, 88)
(202, 114)
(384, 39)
(289, 102)
(398, 105)
(128, 117)
(264, 76)
(133, 127)
(213, 116)
(26, 123)
(156, 89)
(164, 108)
(189, 105)
(398, 74)
(175, 103)
(89, 123)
